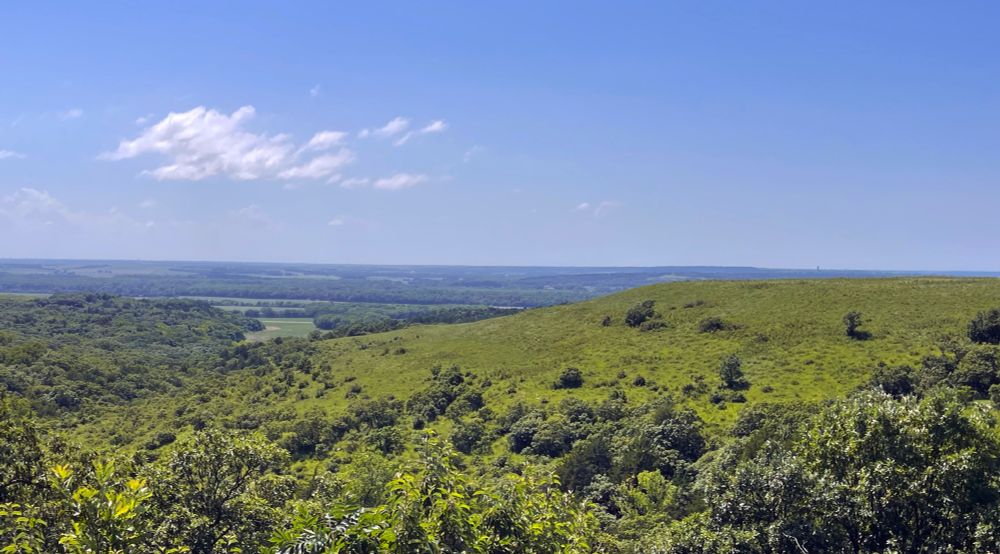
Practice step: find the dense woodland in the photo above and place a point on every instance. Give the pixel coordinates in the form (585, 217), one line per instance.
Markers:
(293, 446)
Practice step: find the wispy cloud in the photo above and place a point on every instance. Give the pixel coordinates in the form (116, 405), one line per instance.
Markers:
(315, 91)
(599, 210)
(399, 181)
(147, 204)
(471, 153)
(394, 127)
(10, 155)
(324, 140)
(203, 143)
(74, 113)
(30, 207)
(252, 216)
(436, 126)
(355, 182)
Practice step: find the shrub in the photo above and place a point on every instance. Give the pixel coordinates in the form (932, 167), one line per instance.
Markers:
(653, 325)
(985, 328)
(898, 381)
(852, 323)
(978, 369)
(469, 436)
(606, 321)
(639, 381)
(731, 373)
(714, 324)
(640, 312)
(570, 378)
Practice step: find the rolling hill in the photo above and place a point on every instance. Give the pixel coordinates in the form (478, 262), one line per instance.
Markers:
(788, 334)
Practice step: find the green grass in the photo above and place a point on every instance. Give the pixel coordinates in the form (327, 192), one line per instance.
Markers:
(283, 327)
(790, 338)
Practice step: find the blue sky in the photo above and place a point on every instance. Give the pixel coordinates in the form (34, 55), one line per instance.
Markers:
(783, 134)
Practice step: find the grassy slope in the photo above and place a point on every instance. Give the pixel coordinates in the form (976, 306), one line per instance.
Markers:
(805, 356)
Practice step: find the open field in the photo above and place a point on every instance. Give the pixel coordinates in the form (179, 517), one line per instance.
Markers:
(283, 327)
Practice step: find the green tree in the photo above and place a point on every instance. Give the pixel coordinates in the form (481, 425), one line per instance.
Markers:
(639, 313)
(219, 488)
(435, 508)
(731, 372)
(853, 321)
(985, 327)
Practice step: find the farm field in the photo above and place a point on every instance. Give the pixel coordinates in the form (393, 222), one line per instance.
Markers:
(283, 327)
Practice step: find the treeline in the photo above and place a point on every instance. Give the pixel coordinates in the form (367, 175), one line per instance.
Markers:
(336, 290)
(367, 322)
(64, 351)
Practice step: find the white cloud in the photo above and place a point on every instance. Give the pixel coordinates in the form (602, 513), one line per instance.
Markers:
(399, 181)
(30, 207)
(390, 129)
(74, 113)
(471, 153)
(315, 91)
(320, 166)
(7, 154)
(598, 211)
(252, 216)
(436, 126)
(355, 182)
(336, 222)
(603, 208)
(147, 204)
(203, 143)
(325, 140)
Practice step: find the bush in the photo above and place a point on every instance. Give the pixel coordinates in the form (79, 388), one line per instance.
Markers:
(714, 324)
(852, 323)
(985, 328)
(639, 313)
(570, 378)
(978, 369)
(653, 325)
(469, 436)
(731, 373)
(898, 381)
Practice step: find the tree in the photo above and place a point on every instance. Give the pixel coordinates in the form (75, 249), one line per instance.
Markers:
(639, 313)
(852, 323)
(433, 507)
(985, 327)
(22, 466)
(731, 372)
(570, 378)
(220, 487)
(865, 475)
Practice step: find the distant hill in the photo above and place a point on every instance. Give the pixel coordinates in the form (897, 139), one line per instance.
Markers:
(469, 285)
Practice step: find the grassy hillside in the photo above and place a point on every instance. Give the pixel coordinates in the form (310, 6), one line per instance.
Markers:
(789, 335)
